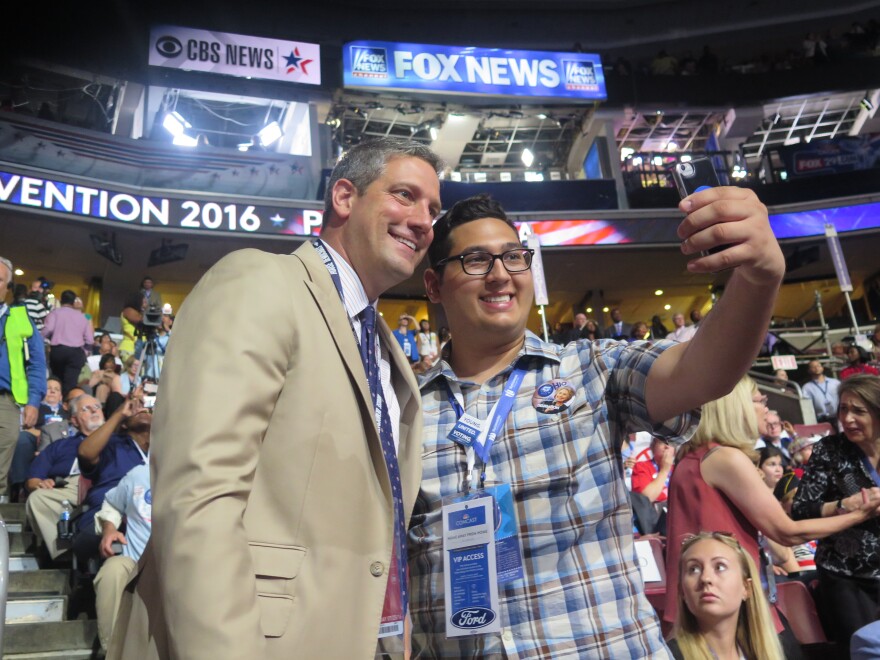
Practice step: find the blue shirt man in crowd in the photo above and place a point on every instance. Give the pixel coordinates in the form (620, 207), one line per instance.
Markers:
(406, 337)
(105, 457)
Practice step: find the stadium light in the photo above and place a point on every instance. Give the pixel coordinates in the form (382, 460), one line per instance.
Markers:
(174, 123)
(270, 133)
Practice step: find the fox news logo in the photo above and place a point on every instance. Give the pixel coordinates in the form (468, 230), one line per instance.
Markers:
(579, 75)
(369, 62)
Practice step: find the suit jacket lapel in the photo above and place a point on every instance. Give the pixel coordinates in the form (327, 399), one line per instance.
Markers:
(327, 298)
(333, 311)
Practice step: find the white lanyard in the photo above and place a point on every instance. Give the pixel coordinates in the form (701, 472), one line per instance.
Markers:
(144, 456)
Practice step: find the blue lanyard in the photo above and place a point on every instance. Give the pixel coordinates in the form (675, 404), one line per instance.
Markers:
(657, 470)
(872, 471)
(499, 414)
(337, 282)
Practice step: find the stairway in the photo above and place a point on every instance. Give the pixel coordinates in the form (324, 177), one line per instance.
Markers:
(39, 602)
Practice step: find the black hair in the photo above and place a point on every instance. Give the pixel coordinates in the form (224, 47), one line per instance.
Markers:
(134, 300)
(107, 357)
(863, 354)
(767, 453)
(462, 212)
(68, 297)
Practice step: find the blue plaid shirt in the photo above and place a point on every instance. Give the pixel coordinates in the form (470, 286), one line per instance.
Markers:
(582, 595)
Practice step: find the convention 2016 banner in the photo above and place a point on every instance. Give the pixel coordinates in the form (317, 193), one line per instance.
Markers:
(235, 54)
(475, 71)
(233, 214)
(844, 154)
(214, 214)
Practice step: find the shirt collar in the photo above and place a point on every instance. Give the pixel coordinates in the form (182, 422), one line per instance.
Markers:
(3, 309)
(533, 346)
(354, 296)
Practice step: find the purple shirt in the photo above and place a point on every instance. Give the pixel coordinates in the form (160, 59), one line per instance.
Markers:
(67, 326)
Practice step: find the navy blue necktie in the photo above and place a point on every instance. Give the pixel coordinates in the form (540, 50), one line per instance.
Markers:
(371, 366)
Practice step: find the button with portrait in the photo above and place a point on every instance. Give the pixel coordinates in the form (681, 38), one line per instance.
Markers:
(553, 397)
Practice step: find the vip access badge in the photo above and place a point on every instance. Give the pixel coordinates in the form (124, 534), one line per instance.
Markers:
(469, 570)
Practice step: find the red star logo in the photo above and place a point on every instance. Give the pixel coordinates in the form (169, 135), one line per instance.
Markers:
(294, 61)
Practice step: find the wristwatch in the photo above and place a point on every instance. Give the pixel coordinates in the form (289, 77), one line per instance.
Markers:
(840, 508)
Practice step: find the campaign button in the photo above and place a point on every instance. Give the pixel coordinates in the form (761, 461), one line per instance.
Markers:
(553, 397)
(376, 569)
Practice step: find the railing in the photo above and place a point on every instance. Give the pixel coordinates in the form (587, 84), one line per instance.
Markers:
(4, 578)
(787, 398)
(647, 169)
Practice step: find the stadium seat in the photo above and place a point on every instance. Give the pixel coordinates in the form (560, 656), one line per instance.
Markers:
(822, 429)
(795, 602)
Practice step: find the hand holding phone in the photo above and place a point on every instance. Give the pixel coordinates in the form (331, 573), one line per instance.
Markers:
(694, 176)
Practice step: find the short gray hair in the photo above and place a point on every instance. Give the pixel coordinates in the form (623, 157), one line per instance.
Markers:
(365, 162)
(75, 403)
(8, 264)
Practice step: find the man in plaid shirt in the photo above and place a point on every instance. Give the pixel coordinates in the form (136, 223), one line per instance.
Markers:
(581, 594)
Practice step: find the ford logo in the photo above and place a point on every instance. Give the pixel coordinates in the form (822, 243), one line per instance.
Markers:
(473, 617)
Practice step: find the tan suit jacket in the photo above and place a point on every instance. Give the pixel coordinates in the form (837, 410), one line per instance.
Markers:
(272, 507)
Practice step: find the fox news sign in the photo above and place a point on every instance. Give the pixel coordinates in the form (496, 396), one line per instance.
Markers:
(235, 55)
(476, 71)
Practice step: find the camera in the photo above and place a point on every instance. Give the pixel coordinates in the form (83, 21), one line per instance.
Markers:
(152, 318)
(45, 284)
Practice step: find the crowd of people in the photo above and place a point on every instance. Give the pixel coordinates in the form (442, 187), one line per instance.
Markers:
(70, 454)
(246, 519)
(859, 39)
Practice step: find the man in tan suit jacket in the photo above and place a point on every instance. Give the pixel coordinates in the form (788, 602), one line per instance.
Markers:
(273, 520)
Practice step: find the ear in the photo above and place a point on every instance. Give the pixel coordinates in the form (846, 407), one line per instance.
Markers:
(747, 589)
(343, 196)
(432, 285)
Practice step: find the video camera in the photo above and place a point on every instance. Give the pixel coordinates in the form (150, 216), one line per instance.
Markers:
(152, 319)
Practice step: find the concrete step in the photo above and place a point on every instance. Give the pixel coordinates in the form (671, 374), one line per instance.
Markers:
(23, 563)
(46, 581)
(64, 636)
(36, 609)
(21, 543)
(12, 512)
(70, 654)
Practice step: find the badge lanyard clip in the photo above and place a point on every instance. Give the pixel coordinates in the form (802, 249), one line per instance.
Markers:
(487, 431)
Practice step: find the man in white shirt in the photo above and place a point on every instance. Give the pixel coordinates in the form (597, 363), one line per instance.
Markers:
(682, 332)
(822, 391)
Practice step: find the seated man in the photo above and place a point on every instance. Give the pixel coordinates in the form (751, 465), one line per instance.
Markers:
(577, 591)
(52, 411)
(133, 500)
(56, 463)
(776, 436)
(106, 456)
(651, 478)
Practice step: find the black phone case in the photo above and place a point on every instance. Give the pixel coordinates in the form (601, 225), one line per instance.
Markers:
(694, 175)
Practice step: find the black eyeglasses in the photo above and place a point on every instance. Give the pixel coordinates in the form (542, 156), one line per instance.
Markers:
(516, 260)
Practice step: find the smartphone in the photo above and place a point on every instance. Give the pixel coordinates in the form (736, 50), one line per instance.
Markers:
(693, 176)
(149, 401)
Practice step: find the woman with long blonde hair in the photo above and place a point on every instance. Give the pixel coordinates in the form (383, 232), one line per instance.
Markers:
(722, 610)
(715, 486)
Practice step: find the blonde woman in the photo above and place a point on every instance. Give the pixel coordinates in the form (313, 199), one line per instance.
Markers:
(715, 486)
(722, 611)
